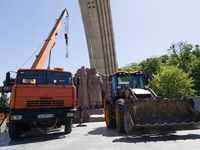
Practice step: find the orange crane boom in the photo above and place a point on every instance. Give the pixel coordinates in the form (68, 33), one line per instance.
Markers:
(50, 42)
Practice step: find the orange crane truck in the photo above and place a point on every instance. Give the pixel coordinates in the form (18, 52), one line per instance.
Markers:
(42, 98)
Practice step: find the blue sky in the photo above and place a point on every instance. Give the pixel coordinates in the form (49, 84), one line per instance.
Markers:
(142, 29)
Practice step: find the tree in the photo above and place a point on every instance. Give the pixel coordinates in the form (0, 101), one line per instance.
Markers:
(173, 82)
(174, 52)
(196, 74)
(142, 64)
(131, 67)
(187, 57)
(151, 65)
(4, 100)
(196, 51)
(182, 55)
(164, 58)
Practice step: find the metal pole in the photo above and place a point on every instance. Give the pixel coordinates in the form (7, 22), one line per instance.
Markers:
(80, 108)
(129, 76)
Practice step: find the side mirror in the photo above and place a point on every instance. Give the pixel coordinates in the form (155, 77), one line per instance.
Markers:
(7, 78)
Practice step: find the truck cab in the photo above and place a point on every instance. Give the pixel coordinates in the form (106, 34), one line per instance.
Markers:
(42, 97)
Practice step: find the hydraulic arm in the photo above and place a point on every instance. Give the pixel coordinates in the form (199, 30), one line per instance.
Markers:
(50, 42)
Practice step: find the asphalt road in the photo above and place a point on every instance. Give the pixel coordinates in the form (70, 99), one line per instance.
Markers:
(96, 136)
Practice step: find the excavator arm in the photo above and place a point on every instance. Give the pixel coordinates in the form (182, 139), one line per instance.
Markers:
(50, 42)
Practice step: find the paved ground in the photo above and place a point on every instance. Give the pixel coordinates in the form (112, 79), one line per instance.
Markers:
(97, 137)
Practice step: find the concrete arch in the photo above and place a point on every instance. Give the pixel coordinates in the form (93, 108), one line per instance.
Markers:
(97, 20)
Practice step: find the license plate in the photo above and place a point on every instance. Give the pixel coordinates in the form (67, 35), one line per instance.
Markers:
(45, 116)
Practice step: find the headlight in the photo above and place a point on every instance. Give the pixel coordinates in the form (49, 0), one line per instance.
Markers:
(70, 114)
(17, 117)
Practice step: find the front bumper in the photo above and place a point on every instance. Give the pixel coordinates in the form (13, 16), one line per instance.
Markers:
(42, 115)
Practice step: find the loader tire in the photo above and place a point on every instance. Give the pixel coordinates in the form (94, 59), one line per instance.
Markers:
(15, 130)
(68, 126)
(119, 115)
(110, 116)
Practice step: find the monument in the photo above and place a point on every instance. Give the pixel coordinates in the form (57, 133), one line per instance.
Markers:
(97, 21)
(90, 93)
(82, 89)
(94, 87)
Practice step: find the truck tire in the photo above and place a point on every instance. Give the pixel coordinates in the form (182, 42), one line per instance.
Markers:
(68, 126)
(110, 116)
(15, 130)
(119, 115)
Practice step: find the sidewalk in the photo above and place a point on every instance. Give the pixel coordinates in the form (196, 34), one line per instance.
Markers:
(96, 136)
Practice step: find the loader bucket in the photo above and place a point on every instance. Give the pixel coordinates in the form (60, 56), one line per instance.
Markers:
(148, 115)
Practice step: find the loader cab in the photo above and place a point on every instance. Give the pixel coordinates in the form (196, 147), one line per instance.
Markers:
(120, 82)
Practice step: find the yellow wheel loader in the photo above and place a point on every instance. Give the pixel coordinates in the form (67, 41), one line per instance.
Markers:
(134, 108)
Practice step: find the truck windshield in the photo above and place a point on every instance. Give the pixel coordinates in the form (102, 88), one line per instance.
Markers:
(136, 80)
(44, 77)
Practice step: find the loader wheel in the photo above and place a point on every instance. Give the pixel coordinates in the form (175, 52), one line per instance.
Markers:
(119, 115)
(68, 126)
(110, 116)
(15, 130)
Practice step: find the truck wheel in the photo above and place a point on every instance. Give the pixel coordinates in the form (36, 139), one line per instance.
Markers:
(68, 126)
(15, 130)
(110, 116)
(119, 115)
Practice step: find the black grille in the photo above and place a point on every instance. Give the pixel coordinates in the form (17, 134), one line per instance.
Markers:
(45, 103)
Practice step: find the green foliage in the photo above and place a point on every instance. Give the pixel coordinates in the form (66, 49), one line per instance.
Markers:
(173, 82)
(152, 65)
(182, 55)
(142, 64)
(195, 69)
(196, 51)
(4, 100)
(131, 67)
(164, 58)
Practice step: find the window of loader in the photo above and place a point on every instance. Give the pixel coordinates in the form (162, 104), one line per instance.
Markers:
(136, 80)
(44, 77)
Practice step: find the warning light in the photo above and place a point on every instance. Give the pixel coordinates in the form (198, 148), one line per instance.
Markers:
(56, 68)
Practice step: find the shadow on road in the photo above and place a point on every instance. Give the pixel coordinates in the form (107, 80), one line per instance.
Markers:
(137, 138)
(35, 136)
(156, 138)
(106, 132)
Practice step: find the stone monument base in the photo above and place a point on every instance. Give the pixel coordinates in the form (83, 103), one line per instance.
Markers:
(90, 115)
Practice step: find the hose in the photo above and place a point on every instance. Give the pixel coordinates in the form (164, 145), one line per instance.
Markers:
(43, 131)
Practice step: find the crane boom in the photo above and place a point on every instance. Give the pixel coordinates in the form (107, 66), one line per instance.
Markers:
(50, 42)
